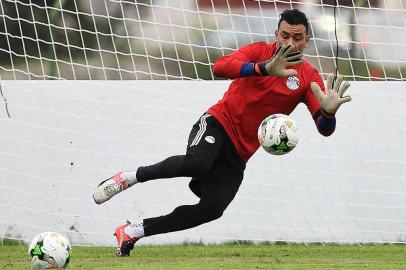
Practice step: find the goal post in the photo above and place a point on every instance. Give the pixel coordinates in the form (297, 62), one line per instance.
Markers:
(92, 87)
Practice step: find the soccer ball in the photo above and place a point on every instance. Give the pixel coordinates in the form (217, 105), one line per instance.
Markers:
(49, 250)
(278, 134)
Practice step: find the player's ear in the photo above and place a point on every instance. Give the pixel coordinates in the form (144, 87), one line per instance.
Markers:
(276, 32)
(307, 38)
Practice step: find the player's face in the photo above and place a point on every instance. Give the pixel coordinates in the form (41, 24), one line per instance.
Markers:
(292, 34)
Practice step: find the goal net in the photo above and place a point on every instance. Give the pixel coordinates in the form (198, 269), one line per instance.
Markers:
(162, 39)
(92, 87)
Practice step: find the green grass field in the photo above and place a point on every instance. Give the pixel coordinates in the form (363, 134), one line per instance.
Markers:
(279, 256)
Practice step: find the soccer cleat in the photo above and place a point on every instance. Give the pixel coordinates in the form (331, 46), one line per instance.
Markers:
(124, 242)
(110, 187)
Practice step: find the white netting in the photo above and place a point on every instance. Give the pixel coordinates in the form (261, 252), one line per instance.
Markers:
(180, 39)
(64, 137)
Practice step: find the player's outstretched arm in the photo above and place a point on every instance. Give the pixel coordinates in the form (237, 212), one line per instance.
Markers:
(333, 98)
(286, 55)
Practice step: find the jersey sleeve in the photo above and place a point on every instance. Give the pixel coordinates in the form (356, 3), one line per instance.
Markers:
(230, 65)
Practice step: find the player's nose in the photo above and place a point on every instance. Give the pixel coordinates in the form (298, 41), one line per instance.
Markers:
(291, 41)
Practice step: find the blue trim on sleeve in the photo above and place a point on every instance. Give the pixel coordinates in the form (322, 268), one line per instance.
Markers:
(247, 69)
(326, 126)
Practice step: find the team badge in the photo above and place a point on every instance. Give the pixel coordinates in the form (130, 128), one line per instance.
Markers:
(210, 139)
(293, 83)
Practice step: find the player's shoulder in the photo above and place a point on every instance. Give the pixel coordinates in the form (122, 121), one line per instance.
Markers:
(259, 45)
(261, 49)
(309, 72)
(262, 43)
(309, 68)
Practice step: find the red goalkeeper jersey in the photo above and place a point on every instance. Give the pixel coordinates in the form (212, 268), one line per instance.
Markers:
(250, 99)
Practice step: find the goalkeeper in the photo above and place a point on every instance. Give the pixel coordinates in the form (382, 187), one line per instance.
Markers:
(268, 78)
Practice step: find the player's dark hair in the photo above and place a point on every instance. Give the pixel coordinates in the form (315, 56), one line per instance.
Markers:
(294, 17)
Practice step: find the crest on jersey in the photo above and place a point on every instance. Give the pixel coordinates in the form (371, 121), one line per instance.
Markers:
(210, 139)
(293, 83)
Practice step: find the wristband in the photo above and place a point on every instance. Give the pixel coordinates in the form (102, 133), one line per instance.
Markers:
(260, 69)
(327, 115)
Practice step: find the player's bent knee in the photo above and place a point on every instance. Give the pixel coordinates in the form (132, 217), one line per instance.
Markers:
(213, 212)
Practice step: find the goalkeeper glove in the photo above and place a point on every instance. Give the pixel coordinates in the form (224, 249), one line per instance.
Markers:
(332, 100)
(284, 56)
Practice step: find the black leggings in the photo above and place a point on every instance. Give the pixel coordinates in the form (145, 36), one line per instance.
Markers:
(216, 171)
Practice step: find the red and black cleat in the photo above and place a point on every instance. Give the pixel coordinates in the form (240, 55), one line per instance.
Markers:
(124, 242)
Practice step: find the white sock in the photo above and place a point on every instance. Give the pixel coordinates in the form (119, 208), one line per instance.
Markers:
(131, 177)
(135, 229)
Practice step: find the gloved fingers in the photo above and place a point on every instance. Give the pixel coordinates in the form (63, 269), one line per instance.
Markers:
(338, 81)
(318, 93)
(330, 80)
(343, 88)
(294, 56)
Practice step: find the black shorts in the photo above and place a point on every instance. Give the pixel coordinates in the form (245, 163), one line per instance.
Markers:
(208, 139)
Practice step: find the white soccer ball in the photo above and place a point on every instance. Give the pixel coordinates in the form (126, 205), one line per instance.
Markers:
(278, 134)
(49, 250)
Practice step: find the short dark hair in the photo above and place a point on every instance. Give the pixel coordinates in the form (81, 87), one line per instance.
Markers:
(294, 17)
